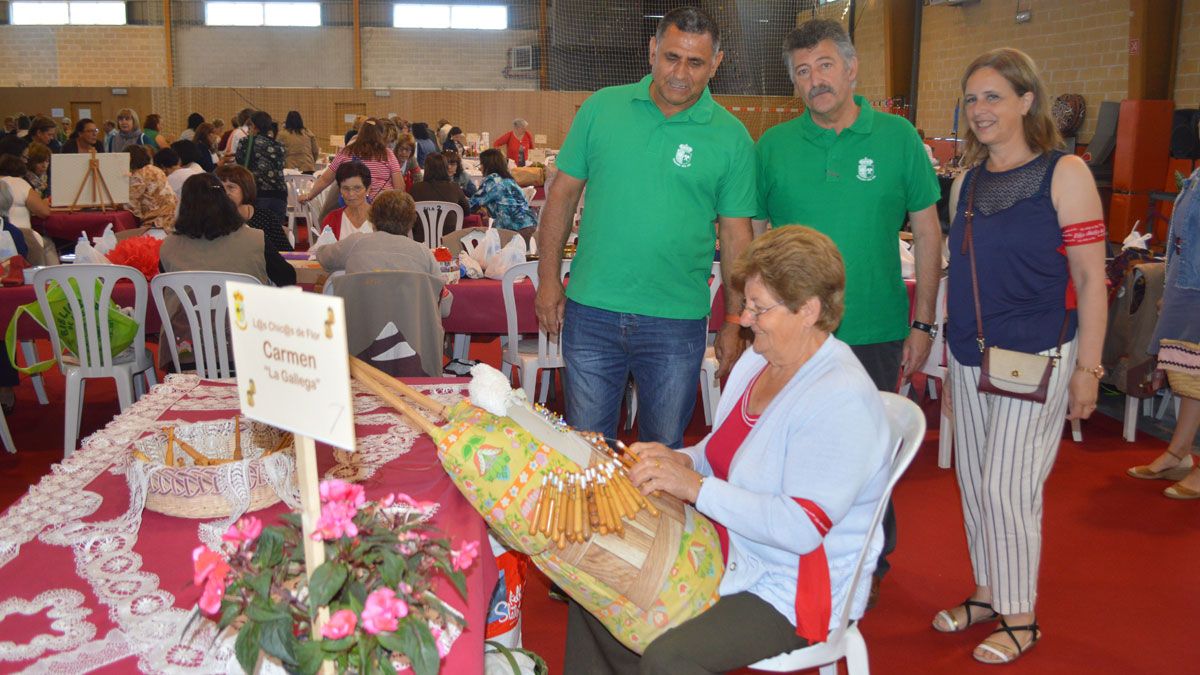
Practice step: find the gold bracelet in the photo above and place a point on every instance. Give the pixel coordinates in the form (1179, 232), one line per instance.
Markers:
(1098, 371)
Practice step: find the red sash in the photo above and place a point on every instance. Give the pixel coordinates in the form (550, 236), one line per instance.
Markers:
(814, 596)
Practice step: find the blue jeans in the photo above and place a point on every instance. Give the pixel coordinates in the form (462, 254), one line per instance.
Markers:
(601, 348)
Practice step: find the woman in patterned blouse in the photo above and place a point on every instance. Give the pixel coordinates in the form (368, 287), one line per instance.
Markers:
(501, 195)
(151, 199)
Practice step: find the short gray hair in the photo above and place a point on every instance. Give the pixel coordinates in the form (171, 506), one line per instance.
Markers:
(520, 122)
(690, 20)
(813, 32)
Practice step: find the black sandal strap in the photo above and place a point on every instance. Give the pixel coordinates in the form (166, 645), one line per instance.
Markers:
(969, 603)
(1010, 631)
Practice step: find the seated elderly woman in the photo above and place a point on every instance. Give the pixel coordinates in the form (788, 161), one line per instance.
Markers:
(150, 197)
(791, 474)
(354, 181)
(388, 248)
(241, 188)
(501, 195)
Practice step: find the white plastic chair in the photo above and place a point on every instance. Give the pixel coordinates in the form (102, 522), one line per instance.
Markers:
(202, 300)
(935, 367)
(6, 435)
(528, 359)
(297, 185)
(530, 191)
(710, 386)
(313, 209)
(30, 351)
(95, 358)
(433, 215)
(907, 425)
(328, 288)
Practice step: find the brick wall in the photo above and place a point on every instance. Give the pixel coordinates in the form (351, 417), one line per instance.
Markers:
(263, 57)
(1187, 72)
(868, 42)
(1079, 45)
(442, 59)
(79, 56)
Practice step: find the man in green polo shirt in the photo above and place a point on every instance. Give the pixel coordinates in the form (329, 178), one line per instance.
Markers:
(662, 163)
(856, 174)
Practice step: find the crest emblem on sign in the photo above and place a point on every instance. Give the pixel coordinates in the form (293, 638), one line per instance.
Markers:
(683, 156)
(866, 169)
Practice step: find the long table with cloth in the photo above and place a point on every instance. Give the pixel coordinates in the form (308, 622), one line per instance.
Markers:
(86, 585)
(68, 225)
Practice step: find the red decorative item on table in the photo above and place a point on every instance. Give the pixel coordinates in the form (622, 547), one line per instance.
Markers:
(140, 253)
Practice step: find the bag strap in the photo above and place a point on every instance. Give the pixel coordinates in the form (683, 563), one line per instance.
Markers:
(539, 664)
(10, 339)
(969, 246)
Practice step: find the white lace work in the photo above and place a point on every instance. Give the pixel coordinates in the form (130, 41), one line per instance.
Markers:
(148, 625)
(66, 614)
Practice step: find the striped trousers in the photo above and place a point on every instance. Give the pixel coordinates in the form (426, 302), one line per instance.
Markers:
(1004, 450)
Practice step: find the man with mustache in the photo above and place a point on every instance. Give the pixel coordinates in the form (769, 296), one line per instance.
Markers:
(855, 174)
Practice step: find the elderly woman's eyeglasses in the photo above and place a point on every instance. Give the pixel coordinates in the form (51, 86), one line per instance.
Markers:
(351, 188)
(756, 314)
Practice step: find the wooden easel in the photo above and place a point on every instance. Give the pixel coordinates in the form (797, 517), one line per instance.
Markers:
(96, 179)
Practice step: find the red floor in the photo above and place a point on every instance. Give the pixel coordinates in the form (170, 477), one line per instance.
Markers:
(1117, 594)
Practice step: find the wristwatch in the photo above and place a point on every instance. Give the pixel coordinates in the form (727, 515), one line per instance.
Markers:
(927, 327)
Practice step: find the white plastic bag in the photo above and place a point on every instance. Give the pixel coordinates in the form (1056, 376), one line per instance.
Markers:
(86, 254)
(490, 246)
(1136, 239)
(513, 253)
(470, 267)
(327, 237)
(105, 243)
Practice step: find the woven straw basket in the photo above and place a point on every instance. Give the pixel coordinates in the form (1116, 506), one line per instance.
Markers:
(191, 491)
(1181, 360)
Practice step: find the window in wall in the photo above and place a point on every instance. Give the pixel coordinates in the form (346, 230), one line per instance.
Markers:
(262, 13)
(469, 17)
(63, 13)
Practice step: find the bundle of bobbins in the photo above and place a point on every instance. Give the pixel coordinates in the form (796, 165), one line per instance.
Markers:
(574, 503)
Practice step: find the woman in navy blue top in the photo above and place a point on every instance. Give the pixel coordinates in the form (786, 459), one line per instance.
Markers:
(1039, 246)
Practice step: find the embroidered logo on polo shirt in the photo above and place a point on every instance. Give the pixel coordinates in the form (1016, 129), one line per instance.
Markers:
(683, 156)
(866, 169)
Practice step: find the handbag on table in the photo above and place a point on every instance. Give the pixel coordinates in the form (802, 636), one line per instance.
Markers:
(1008, 372)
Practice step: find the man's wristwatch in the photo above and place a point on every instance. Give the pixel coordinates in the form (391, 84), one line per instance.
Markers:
(927, 327)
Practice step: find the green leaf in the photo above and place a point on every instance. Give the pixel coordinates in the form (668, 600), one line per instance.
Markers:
(460, 582)
(424, 654)
(246, 646)
(392, 569)
(358, 596)
(229, 611)
(278, 641)
(262, 611)
(309, 657)
(385, 664)
(339, 645)
(269, 550)
(326, 581)
(260, 583)
(394, 641)
(292, 519)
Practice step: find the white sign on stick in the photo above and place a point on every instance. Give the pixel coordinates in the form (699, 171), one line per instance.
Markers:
(293, 370)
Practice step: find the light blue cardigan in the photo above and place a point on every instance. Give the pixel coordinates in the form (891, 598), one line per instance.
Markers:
(823, 438)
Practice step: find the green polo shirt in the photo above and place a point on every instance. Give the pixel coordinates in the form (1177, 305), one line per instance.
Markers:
(857, 187)
(655, 186)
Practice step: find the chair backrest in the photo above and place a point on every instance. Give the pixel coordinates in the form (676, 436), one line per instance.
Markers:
(906, 431)
(328, 288)
(93, 286)
(530, 191)
(935, 363)
(456, 241)
(392, 320)
(198, 298)
(432, 217)
(297, 184)
(549, 351)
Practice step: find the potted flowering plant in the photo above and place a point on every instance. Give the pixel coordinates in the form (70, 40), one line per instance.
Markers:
(382, 562)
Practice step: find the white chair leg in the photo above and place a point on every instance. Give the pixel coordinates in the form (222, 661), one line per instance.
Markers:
(529, 380)
(705, 395)
(125, 391)
(931, 384)
(1129, 427)
(945, 438)
(1148, 406)
(73, 410)
(462, 347)
(506, 368)
(545, 385)
(29, 350)
(1076, 431)
(6, 436)
(857, 662)
(904, 388)
(1162, 407)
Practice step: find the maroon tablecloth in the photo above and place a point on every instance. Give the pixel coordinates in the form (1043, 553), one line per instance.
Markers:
(67, 226)
(124, 593)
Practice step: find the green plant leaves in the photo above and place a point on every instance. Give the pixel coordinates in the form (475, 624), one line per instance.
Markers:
(277, 640)
(269, 550)
(326, 581)
(414, 640)
(246, 646)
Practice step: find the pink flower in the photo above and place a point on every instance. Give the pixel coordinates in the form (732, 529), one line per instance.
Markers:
(381, 611)
(210, 599)
(244, 531)
(340, 625)
(463, 557)
(334, 490)
(209, 566)
(336, 521)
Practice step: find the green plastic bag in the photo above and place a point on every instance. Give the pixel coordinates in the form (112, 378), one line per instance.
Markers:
(121, 329)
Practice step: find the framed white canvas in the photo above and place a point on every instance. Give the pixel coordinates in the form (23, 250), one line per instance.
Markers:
(69, 171)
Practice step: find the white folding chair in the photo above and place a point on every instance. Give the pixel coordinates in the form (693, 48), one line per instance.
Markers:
(710, 386)
(6, 436)
(433, 215)
(202, 301)
(313, 209)
(907, 425)
(935, 368)
(297, 186)
(529, 359)
(87, 287)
